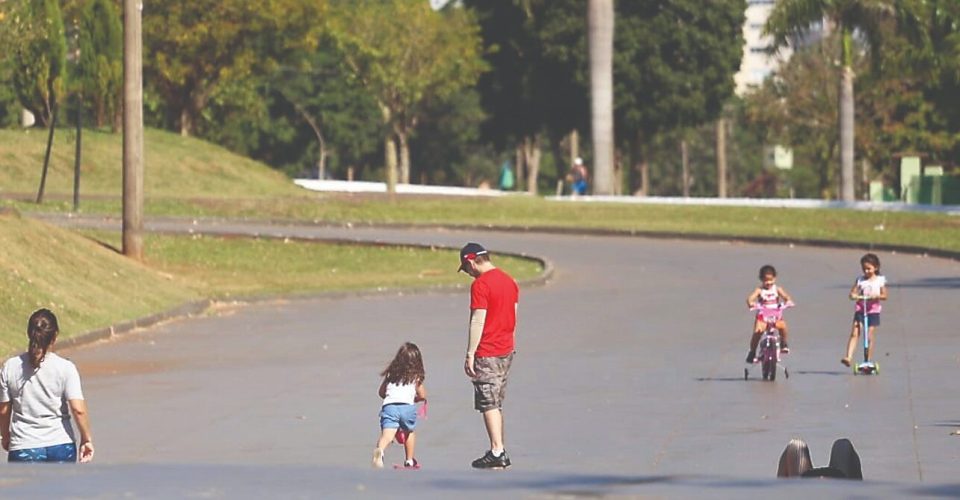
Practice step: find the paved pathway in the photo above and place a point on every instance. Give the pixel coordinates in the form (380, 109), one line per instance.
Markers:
(628, 381)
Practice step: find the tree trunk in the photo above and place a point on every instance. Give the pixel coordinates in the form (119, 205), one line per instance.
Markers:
(640, 167)
(684, 168)
(531, 157)
(600, 23)
(321, 143)
(186, 122)
(846, 120)
(404, 157)
(721, 158)
(390, 165)
(520, 163)
(78, 156)
(46, 156)
(574, 147)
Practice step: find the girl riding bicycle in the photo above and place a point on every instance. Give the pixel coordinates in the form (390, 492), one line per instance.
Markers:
(767, 294)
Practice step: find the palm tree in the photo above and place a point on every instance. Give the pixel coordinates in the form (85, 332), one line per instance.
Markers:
(600, 20)
(793, 18)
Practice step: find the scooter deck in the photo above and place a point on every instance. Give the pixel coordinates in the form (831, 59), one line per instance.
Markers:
(866, 368)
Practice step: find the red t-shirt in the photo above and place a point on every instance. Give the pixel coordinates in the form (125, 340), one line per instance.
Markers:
(498, 293)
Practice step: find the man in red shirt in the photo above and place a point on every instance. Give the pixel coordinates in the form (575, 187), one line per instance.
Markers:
(494, 297)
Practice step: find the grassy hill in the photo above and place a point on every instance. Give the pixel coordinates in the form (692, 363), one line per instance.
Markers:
(174, 166)
(85, 283)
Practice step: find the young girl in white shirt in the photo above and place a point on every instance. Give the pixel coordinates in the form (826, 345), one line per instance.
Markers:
(870, 288)
(401, 388)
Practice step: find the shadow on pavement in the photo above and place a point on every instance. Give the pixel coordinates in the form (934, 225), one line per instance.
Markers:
(939, 283)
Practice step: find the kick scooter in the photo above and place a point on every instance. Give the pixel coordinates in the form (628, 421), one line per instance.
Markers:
(867, 367)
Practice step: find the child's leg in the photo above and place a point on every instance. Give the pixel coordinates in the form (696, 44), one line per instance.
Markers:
(386, 435)
(782, 326)
(757, 332)
(410, 444)
(870, 331)
(852, 342)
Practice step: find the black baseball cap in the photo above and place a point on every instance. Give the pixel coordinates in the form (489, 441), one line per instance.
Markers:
(470, 252)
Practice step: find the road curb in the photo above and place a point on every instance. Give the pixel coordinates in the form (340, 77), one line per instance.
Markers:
(199, 307)
(186, 310)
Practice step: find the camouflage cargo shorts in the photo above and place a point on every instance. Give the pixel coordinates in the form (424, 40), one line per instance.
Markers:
(490, 384)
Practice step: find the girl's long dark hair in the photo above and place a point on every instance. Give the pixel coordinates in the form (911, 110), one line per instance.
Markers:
(406, 367)
(42, 330)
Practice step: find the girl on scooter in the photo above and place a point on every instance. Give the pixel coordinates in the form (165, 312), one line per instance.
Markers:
(871, 287)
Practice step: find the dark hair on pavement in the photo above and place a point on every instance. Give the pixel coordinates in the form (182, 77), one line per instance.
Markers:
(871, 258)
(406, 367)
(768, 269)
(42, 330)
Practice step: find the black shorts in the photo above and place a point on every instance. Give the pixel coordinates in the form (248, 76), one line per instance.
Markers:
(873, 319)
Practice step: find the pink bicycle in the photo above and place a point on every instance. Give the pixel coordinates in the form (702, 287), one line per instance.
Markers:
(768, 350)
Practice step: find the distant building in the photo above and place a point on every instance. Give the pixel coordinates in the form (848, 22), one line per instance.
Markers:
(758, 61)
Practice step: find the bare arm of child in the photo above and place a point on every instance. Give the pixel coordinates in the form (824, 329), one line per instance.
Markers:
(383, 389)
(784, 295)
(883, 293)
(752, 298)
(855, 292)
(421, 393)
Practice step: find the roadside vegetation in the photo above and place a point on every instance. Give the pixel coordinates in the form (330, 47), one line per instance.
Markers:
(187, 177)
(89, 285)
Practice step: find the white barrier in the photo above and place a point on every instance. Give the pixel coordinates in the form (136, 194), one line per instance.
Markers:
(380, 187)
(886, 206)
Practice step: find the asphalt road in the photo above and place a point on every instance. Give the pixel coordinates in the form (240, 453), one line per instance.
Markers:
(628, 381)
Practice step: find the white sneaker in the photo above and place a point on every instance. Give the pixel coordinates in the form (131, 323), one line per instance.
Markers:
(378, 458)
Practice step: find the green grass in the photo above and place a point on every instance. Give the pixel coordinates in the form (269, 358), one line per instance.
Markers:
(929, 230)
(174, 166)
(191, 178)
(89, 285)
(223, 268)
(86, 284)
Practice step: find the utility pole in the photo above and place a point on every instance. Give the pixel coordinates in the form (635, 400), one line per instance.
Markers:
(132, 130)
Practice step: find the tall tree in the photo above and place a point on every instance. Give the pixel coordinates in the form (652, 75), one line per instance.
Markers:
(673, 69)
(601, 33)
(406, 55)
(797, 106)
(539, 82)
(792, 19)
(100, 66)
(35, 41)
(199, 45)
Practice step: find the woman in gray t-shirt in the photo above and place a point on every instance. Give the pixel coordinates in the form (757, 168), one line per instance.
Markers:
(38, 392)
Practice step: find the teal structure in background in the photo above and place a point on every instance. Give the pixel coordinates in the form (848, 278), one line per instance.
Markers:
(924, 185)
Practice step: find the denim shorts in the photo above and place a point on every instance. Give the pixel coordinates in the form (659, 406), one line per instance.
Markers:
(398, 416)
(490, 384)
(873, 319)
(60, 453)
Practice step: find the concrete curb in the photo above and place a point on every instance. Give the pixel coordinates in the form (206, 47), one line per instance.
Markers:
(120, 329)
(912, 249)
(199, 307)
(765, 240)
